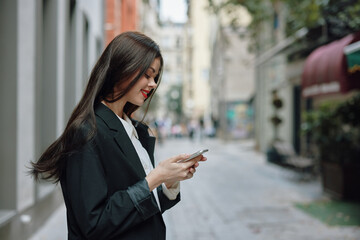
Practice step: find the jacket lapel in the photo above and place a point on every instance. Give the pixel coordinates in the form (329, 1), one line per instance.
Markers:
(149, 144)
(121, 138)
(147, 141)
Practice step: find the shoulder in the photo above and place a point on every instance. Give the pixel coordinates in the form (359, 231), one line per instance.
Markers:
(90, 130)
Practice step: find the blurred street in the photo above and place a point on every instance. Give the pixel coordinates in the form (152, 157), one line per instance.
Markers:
(236, 194)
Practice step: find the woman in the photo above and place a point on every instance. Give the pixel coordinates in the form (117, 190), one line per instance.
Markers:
(104, 160)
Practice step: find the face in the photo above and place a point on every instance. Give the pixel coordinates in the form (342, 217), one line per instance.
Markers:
(139, 92)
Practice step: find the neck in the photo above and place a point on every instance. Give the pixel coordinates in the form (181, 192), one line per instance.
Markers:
(117, 107)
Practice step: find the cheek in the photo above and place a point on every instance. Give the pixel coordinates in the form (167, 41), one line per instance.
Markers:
(134, 92)
(143, 82)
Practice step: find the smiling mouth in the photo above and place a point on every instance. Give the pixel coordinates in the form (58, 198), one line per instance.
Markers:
(145, 93)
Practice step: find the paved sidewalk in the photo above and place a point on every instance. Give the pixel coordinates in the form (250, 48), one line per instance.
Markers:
(55, 227)
(236, 194)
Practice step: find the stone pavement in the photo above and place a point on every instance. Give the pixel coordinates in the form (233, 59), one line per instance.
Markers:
(236, 194)
(54, 228)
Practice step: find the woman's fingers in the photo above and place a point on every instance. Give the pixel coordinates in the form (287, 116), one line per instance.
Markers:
(184, 156)
(192, 161)
(179, 157)
(181, 170)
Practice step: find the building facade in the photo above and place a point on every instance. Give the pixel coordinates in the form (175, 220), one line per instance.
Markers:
(48, 48)
(271, 68)
(173, 45)
(121, 16)
(231, 78)
(197, 88)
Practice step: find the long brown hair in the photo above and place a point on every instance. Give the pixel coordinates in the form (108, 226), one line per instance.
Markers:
(127, 55)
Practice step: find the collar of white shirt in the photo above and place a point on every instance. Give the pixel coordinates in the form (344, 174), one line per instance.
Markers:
(129, 127)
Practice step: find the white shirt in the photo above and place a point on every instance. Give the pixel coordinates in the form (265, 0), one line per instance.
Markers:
(170, 193)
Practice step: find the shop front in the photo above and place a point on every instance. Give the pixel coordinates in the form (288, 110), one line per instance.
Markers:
(331, 78)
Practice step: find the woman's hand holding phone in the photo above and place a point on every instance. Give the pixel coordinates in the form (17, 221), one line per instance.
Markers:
(170, 171)
(194, 155)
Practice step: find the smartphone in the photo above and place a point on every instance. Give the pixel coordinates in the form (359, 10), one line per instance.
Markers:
(194, 155)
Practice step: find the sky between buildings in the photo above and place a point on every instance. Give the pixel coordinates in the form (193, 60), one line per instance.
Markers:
(174, 10)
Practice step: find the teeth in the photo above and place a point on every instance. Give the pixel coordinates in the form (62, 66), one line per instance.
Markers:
(143, 92)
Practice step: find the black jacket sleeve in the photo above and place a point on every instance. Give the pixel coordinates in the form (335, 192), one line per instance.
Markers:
(165, 202)
(97, 215)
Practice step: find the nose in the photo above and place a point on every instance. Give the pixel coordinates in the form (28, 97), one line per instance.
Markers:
(152, 84)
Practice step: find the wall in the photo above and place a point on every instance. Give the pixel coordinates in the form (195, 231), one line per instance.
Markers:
(271, 74)
(121, 16)
(8, 85)
(200, 43)
(48, 48)
(231, 77)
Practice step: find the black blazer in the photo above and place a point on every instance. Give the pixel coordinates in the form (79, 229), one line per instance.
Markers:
(104, 186)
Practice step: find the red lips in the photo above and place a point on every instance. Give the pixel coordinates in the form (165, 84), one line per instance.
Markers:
(145, 93)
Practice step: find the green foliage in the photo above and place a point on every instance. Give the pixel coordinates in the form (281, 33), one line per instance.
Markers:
(306, 13)
(336, 18)
(335, 129)
(342, 17)
(333, 213)
(260, 11)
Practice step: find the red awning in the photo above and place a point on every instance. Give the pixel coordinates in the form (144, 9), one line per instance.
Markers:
(325, 70)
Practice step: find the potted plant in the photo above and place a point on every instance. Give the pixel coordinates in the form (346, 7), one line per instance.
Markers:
(271, 154)
(335, 131)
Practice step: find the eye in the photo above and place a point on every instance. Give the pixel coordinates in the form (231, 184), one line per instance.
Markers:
(147, 76)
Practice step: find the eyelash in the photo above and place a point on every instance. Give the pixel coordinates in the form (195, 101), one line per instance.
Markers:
(148, 77)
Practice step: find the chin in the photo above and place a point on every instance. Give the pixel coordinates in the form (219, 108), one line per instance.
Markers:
(138, 101)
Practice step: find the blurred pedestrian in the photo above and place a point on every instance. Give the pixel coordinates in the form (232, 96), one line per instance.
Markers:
(158, 128)
(192, 126)
(201, 128)
(104, 159)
